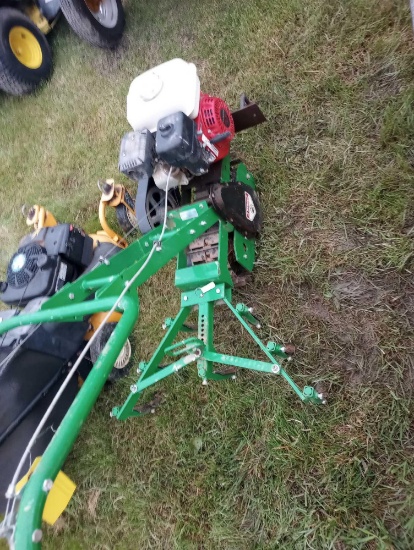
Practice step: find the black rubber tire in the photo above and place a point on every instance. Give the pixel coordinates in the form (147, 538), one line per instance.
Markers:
(123, 215)
(97, 346)
(16, 78)
(155, 214)
(88, 28)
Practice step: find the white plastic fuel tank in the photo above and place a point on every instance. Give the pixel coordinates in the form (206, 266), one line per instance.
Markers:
(171, 87)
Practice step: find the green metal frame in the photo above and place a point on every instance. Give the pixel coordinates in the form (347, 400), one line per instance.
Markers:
(203, 287)
(201, 350)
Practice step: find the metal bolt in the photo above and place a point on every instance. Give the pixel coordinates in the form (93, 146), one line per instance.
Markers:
(185, 298)
(204, 382)
(201, 295)
(248, 176)
(192, 231)
(203, 222)
(138, 371)
(111, 414)
(134, 388)
(10, 491)
(37, 535)
(104, 260)
(71, 296)
(201, 206)
(320, 395)
(258, 325)
(218, 290)
(250, 310)
(233, 377)
(245, 256)
(275, 369)
(47, 485)
(147, 244)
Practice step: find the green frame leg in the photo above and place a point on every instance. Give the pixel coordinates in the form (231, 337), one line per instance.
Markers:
(202, 350)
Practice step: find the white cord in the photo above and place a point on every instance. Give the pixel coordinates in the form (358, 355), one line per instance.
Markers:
(12, 487)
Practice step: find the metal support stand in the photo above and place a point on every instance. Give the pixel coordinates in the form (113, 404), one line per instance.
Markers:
(201, 349)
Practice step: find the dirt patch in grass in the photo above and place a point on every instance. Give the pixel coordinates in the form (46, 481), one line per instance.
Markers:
(367, 321)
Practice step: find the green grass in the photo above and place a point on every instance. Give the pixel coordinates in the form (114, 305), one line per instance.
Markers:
(244, 465)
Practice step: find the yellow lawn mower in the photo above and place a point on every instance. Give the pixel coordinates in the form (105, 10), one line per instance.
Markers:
(25, 55)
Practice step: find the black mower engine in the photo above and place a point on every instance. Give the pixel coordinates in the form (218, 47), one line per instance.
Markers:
(45, 261)
(35, 359)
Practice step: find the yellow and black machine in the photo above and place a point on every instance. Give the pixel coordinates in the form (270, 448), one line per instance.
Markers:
(25, 54)
(64, 252)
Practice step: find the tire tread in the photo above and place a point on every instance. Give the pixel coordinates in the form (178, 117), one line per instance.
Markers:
(84, 28)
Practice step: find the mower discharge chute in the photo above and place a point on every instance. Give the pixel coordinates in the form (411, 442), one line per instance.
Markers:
(193, 202)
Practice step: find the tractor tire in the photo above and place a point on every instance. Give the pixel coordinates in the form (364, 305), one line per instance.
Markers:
(25, 55)
(127, 221)
(99, 22)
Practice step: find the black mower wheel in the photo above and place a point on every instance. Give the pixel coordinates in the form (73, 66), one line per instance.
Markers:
(126, 219)
(99, 22)
(123, 363)
(25, 55)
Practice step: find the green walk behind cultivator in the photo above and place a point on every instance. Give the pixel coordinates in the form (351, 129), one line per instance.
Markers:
(194, 203)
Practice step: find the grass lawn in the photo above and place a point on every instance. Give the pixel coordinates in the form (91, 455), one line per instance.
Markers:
(245, 465)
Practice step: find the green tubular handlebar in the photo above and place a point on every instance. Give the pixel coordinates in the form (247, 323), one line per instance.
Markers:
(33, 498)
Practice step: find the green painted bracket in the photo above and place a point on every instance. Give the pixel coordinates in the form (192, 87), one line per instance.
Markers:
(246, 313)
(244, 250)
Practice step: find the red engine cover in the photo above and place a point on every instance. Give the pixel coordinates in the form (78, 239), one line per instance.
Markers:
(214, 119)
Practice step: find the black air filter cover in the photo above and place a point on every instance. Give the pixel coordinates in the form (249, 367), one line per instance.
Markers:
(24, 265)
(45, 261)
(177, 144)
